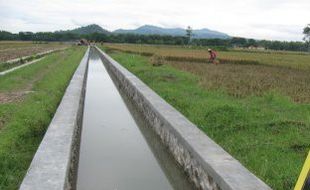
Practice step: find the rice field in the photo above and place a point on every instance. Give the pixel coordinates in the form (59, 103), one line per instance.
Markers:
(12, 50)
(298, 60)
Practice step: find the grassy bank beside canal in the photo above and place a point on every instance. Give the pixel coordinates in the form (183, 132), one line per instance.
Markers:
(268, 133)
(28, 100)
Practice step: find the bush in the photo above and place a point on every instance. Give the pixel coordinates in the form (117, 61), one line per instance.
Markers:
(157, 60)
(21, 60)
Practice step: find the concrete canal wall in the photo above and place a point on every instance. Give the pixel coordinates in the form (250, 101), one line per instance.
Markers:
(206, 163)
(54, 164)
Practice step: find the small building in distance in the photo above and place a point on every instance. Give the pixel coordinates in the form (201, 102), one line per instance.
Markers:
(256, 47)
(83, 42)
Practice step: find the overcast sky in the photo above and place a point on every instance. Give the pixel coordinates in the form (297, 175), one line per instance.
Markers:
(260, 19)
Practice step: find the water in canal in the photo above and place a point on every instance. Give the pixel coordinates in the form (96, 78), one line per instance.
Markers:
(118, 150)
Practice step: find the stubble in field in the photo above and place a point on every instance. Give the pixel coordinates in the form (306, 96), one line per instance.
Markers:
(246, 80)
(9, 50)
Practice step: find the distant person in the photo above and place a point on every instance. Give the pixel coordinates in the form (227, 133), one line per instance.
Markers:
(212, 57)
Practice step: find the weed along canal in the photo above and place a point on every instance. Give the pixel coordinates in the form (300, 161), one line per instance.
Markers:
(118, 151)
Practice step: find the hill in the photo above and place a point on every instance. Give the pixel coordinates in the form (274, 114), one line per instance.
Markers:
(89, 29)
(149, 29)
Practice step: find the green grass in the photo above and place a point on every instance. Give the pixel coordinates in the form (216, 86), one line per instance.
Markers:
(24, 122)
(6, 66)
(269, 134)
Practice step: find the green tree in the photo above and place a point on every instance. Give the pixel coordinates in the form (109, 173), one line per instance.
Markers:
(306, 32)
(239, 42)
(251, 42)
(189, 34)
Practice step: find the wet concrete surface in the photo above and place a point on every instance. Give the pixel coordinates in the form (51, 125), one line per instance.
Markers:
(118, 150)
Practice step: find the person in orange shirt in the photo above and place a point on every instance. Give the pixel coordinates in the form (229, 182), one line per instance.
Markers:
(212, 57)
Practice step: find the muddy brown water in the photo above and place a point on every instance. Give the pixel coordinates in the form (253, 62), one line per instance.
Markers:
(118, 150)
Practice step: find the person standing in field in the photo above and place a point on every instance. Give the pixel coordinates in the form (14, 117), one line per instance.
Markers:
(212, 57)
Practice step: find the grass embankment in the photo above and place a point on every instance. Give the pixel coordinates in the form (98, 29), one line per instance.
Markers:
(6, 66)
(29, 98)
(269, 134)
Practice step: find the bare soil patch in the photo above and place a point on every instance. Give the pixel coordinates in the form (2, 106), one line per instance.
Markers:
(12, 96)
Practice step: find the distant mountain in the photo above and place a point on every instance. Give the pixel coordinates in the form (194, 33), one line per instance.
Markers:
(149, 29)
(93, 28)
(207, 33)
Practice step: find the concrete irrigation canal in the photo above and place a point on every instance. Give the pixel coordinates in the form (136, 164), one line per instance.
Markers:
(112, 132)
(112, 146)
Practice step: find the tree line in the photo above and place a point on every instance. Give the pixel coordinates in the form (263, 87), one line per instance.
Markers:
(156, 39)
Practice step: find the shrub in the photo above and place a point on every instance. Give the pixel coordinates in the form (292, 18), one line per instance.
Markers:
(157, 60)
(21, 60)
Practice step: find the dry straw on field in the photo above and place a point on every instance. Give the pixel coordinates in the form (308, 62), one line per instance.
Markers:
(244, 80)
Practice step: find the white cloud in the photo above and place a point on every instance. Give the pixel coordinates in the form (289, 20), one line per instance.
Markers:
(262, 19)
